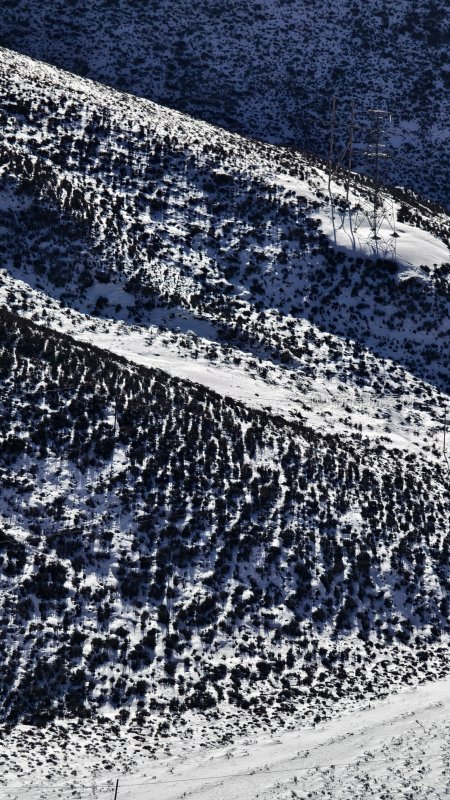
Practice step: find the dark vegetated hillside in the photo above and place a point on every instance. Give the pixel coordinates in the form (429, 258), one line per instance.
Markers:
(165, 547)
(161, 211)
(265, 69)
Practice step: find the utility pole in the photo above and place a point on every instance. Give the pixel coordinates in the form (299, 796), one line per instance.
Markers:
(117, 789)
(332, 129)
(114, 437)
(350, 150)
(445, 440)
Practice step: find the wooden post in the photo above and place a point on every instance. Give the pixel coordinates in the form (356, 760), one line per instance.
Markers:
(117, 789)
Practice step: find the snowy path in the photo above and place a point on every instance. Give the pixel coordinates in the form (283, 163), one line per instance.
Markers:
(320, 402)
(398, 746)
(396, 749)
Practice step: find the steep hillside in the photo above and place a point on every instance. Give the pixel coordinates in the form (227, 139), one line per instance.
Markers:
(162, 211)
(165, 547)
(267, 69)
(384, 751)
(269, 534)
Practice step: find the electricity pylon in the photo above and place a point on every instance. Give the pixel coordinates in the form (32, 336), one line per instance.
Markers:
(380, 212)
(341, 160)
(371, 225)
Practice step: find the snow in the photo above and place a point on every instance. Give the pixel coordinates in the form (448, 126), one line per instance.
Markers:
(321, 402)
(413, 247)
(371, 745)
(403, 757)
(397, 748)
(229, 66)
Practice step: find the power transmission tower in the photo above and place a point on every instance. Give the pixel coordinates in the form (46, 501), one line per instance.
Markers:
(342, 159)
(377, 153)
(340, 165)
(379, 211)
(370, 224)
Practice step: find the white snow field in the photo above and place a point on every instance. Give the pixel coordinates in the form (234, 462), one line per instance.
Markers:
(185, 349)
(414, 248)
(397, 749)
(405, 421)
(221, 261)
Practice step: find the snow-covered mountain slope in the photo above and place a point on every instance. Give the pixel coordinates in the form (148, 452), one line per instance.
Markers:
(266, 68)
(270, 533)
(383, 751)
(164, 547)
(162, 210)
